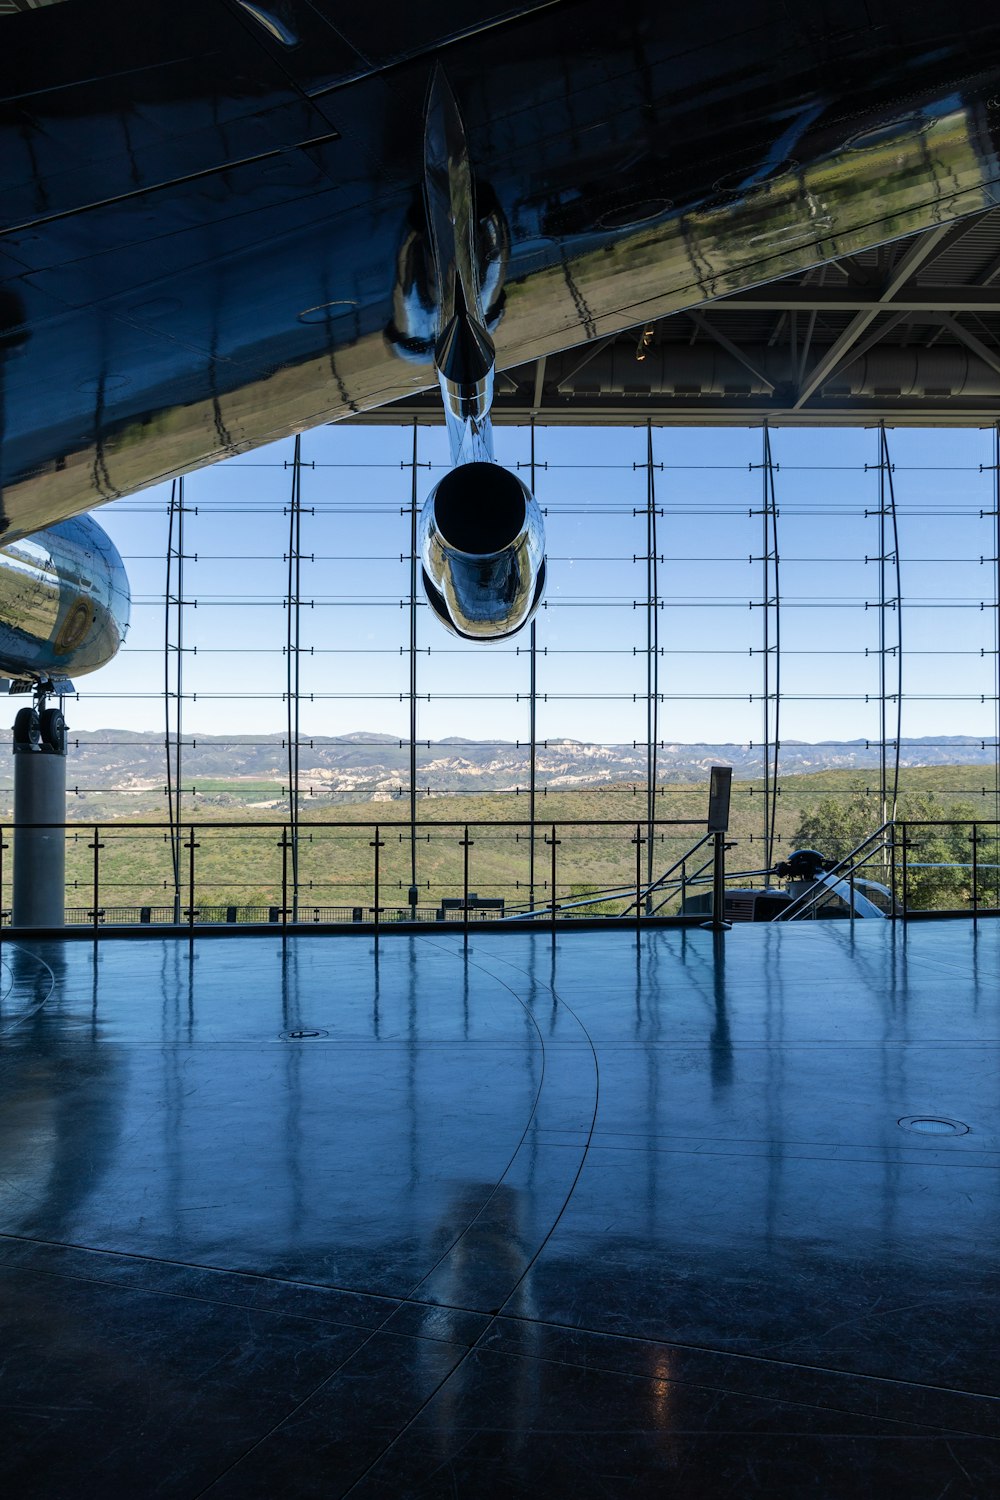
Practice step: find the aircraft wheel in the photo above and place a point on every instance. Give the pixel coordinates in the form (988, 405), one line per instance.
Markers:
(53, 730)
(27, 730)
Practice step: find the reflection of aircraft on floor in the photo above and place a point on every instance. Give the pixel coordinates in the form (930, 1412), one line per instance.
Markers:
(228, 222)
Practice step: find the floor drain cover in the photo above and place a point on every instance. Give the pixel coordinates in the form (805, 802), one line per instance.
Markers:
(933, 1125)
(301, 1035)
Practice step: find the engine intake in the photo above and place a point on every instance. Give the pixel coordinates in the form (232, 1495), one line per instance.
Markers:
(482, 543)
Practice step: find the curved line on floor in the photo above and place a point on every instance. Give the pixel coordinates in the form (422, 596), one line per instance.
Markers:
(545, 1239)
(412, 1295)
(586, 1145)
(8, 1026)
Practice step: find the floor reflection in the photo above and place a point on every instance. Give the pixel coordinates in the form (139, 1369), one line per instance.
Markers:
(499, 1152)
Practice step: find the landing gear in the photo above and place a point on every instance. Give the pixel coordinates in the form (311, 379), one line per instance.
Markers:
(53, 730)
(40, 729)
(27, 730)
(39, 812)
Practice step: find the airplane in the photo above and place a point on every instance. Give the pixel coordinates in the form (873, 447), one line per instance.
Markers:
(228, 222)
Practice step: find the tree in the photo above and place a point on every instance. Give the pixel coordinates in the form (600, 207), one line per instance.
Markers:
(938, 859)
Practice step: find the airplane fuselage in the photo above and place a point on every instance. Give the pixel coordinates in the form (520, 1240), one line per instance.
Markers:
(214, 227)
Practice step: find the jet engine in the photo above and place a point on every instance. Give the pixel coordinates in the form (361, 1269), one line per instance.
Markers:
(482, 543)
(64, 603)
(482, 539)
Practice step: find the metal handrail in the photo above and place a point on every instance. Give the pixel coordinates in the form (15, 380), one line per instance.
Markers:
(677, 864)
(403, 824)
(197, 902)
(844, 869)
(612, 893)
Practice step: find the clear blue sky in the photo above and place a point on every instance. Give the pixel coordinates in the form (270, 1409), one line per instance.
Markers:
(357, 528)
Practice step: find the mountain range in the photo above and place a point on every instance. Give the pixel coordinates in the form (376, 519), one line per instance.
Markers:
(375, 765)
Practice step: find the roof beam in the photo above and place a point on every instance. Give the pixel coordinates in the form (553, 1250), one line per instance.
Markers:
(835, 356)
(789, 297)
(539, 383)
(861, 346)
(931, 243)
(715, 411)
(945, 238)
(730, 348)
(989, 356)
(923, 249)
(987, 277)
(854, 272)
(592, 349)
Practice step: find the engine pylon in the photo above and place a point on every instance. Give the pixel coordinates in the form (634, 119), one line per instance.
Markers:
(482, 537)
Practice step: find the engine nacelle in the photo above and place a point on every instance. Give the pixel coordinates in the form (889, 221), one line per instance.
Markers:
(64, 601)
(482, 542)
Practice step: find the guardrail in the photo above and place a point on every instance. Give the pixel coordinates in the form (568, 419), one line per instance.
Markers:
(509, 872)
(348, 872)
(890, 869)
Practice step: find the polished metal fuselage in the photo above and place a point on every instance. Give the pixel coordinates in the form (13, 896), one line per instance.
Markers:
(212, 228)
(64, 601)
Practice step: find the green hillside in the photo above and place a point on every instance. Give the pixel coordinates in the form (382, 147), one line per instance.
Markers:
(240, 863)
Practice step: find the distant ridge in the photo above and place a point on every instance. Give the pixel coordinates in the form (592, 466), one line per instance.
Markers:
(370, 764)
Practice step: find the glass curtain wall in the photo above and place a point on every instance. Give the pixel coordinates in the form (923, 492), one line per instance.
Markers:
(818, 609)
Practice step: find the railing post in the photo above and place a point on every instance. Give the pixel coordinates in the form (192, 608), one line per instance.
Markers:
(638, 841)
(852, 895)
(376, 844)
(97, 846)
(191, 881)
(718, 922)
(466, 846)
(3, 846)
(554, 842)
(903, 847)
(284, 880)
(975, 873)
(191, 846)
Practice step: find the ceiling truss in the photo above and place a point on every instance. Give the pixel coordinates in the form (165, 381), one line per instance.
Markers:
(908, 333)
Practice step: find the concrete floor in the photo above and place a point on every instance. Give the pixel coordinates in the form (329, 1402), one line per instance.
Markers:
(598, 1219)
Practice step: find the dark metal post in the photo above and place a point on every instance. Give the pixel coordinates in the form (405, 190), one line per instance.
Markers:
(293, 650)
(284, 880)
(97, 846)
(720, 787)
(638, 841)
(719, 923)
(903, 848)
(191, 847)
(173, 687)
(888, 552)
(996, 652)
(652, 659)
(554, 843)
(975, 872)
(413, 676)
(376, 844)
(466, 846)
(532, 725)
(771, 647)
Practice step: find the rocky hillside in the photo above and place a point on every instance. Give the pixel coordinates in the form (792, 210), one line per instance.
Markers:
(373, 765)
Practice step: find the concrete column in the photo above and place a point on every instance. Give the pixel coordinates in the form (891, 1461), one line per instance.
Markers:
(39, 853)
